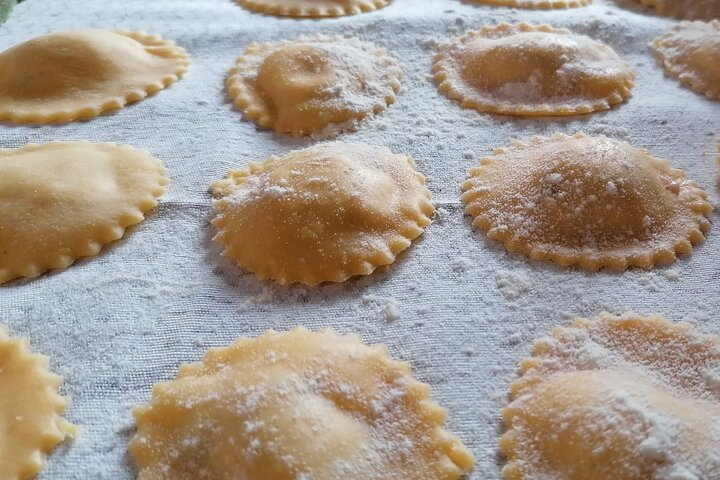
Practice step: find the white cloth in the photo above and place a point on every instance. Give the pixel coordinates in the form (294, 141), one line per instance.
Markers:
(466, 311)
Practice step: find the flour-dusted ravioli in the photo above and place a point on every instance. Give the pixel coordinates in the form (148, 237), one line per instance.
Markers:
(536, 4)
(323, 213)
(30, 409)
(63, 200)
(588, 201)
(296, 405)
(80, 74)
(313, 84)
(628, 397)
(691, 52)
(313, 8)
(525, 69)
(687, 9)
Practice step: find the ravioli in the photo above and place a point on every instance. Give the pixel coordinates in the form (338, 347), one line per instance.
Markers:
(625, 397)
(321, 214)
(30, 410)
(63, 200)
(690, 52)
(313, 84)
(524, 69)
(313, 8)
(588, 201)
(249, 410)
(536, 4)
(80, 74)
(687, 9)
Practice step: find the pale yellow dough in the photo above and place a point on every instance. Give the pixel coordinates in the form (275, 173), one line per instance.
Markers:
(524, 69)
(588, 201)
(296, 405)
(691, 53)
(622, 398)
(321, 214)
(313, 84)
(30, 409)
(536, 4)
(313, 8)
(63, 200)
(687, 9)
(78, 74)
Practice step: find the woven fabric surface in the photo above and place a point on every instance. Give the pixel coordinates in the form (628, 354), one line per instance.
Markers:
(455, 305)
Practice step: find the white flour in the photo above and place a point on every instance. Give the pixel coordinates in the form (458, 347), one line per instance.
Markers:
(115, 324)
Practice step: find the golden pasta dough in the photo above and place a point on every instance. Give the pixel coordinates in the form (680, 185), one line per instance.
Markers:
(536, 4)
(77, 74)
(313, 8)
(313, 84)
(588, 201)
(30, 409)
(525, 69)
(690, 52)
(687, 9)
(321, 214)
(63, 200)
(296, 405)
(628, 397)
